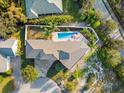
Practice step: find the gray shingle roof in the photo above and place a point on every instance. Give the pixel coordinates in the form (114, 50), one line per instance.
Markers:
(6, 47)
(7, 43)
(36, 7)
(4, 64)
(74, 49)
(5, 51)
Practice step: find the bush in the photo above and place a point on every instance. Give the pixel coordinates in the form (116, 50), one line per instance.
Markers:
(120, 72)
(71, 86)
(96, 24)
(9, 72)
(29, 73)
(89, 35)
(78, 73)
(52, 19)
(1, 79)
(110, 57)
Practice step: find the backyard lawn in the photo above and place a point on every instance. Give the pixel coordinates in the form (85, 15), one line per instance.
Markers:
(7, 85)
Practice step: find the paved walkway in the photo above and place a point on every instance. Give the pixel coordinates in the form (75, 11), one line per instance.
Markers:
(16, 65)
(42, 85)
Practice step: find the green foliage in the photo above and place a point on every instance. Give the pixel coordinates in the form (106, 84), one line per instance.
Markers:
(19, 51)
(6, 86)
(110, 57)
(111, 25)
(72, 7)
(9, 72)
(90, 80)
(115, 44)
(7, 27)
(89, 35)
(96, 24)
(78, 73)
(52, 19)
(29, 73)
(71, 86)
(120, 72)
(1, 78)
(10, 17)
(16, 12)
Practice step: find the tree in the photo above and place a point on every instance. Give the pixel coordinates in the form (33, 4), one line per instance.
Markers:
(29, 73)
(111, 25)
(3, 3)
(115, 44)
(113, 58)
(120, 72)
(110, 57)
(16, 12)
(96, 24)
(7, 27)
(99, 14)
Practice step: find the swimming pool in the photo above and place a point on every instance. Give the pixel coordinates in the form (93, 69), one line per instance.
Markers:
(66, 35)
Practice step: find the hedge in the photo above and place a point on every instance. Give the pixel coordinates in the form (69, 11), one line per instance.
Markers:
(57, 19)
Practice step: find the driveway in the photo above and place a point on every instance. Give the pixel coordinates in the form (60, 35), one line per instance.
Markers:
(42, 85)
(16, 66)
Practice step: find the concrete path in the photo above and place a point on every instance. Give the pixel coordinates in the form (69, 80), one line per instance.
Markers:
(16, 65)
(42, 85)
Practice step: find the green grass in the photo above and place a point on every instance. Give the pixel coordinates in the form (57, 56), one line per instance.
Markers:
(72, 8)
(7, 85)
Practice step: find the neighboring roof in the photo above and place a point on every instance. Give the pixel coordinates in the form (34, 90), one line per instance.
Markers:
(7, 43)
(6, 47)
(68, 52)
(42, 85)
(4, 64)
(36, 7)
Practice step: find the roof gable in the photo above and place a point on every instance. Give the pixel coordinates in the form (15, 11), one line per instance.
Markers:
(6, 47)
(68, 52)
(39, 7)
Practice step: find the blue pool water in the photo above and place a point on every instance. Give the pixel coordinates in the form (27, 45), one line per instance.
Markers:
(67, 35)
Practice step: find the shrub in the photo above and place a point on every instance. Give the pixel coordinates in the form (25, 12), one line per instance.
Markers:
(110, 57)
(120, 72)
(1, 79)
(89, 35)
(78, 73)
(52, 19)
(111, 25)
(29, 73)
(9, 72)
(71, 86)
(96, 24)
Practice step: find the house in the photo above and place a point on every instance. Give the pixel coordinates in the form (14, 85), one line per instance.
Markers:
(46, 52)
(36, 8)
(8, 49)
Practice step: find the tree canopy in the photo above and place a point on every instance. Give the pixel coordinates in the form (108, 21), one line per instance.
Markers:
(111, 25)
(110, 57)
(29, 73)
(11, 16)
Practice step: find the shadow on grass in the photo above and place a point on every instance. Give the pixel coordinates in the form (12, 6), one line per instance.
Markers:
(9, 87)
